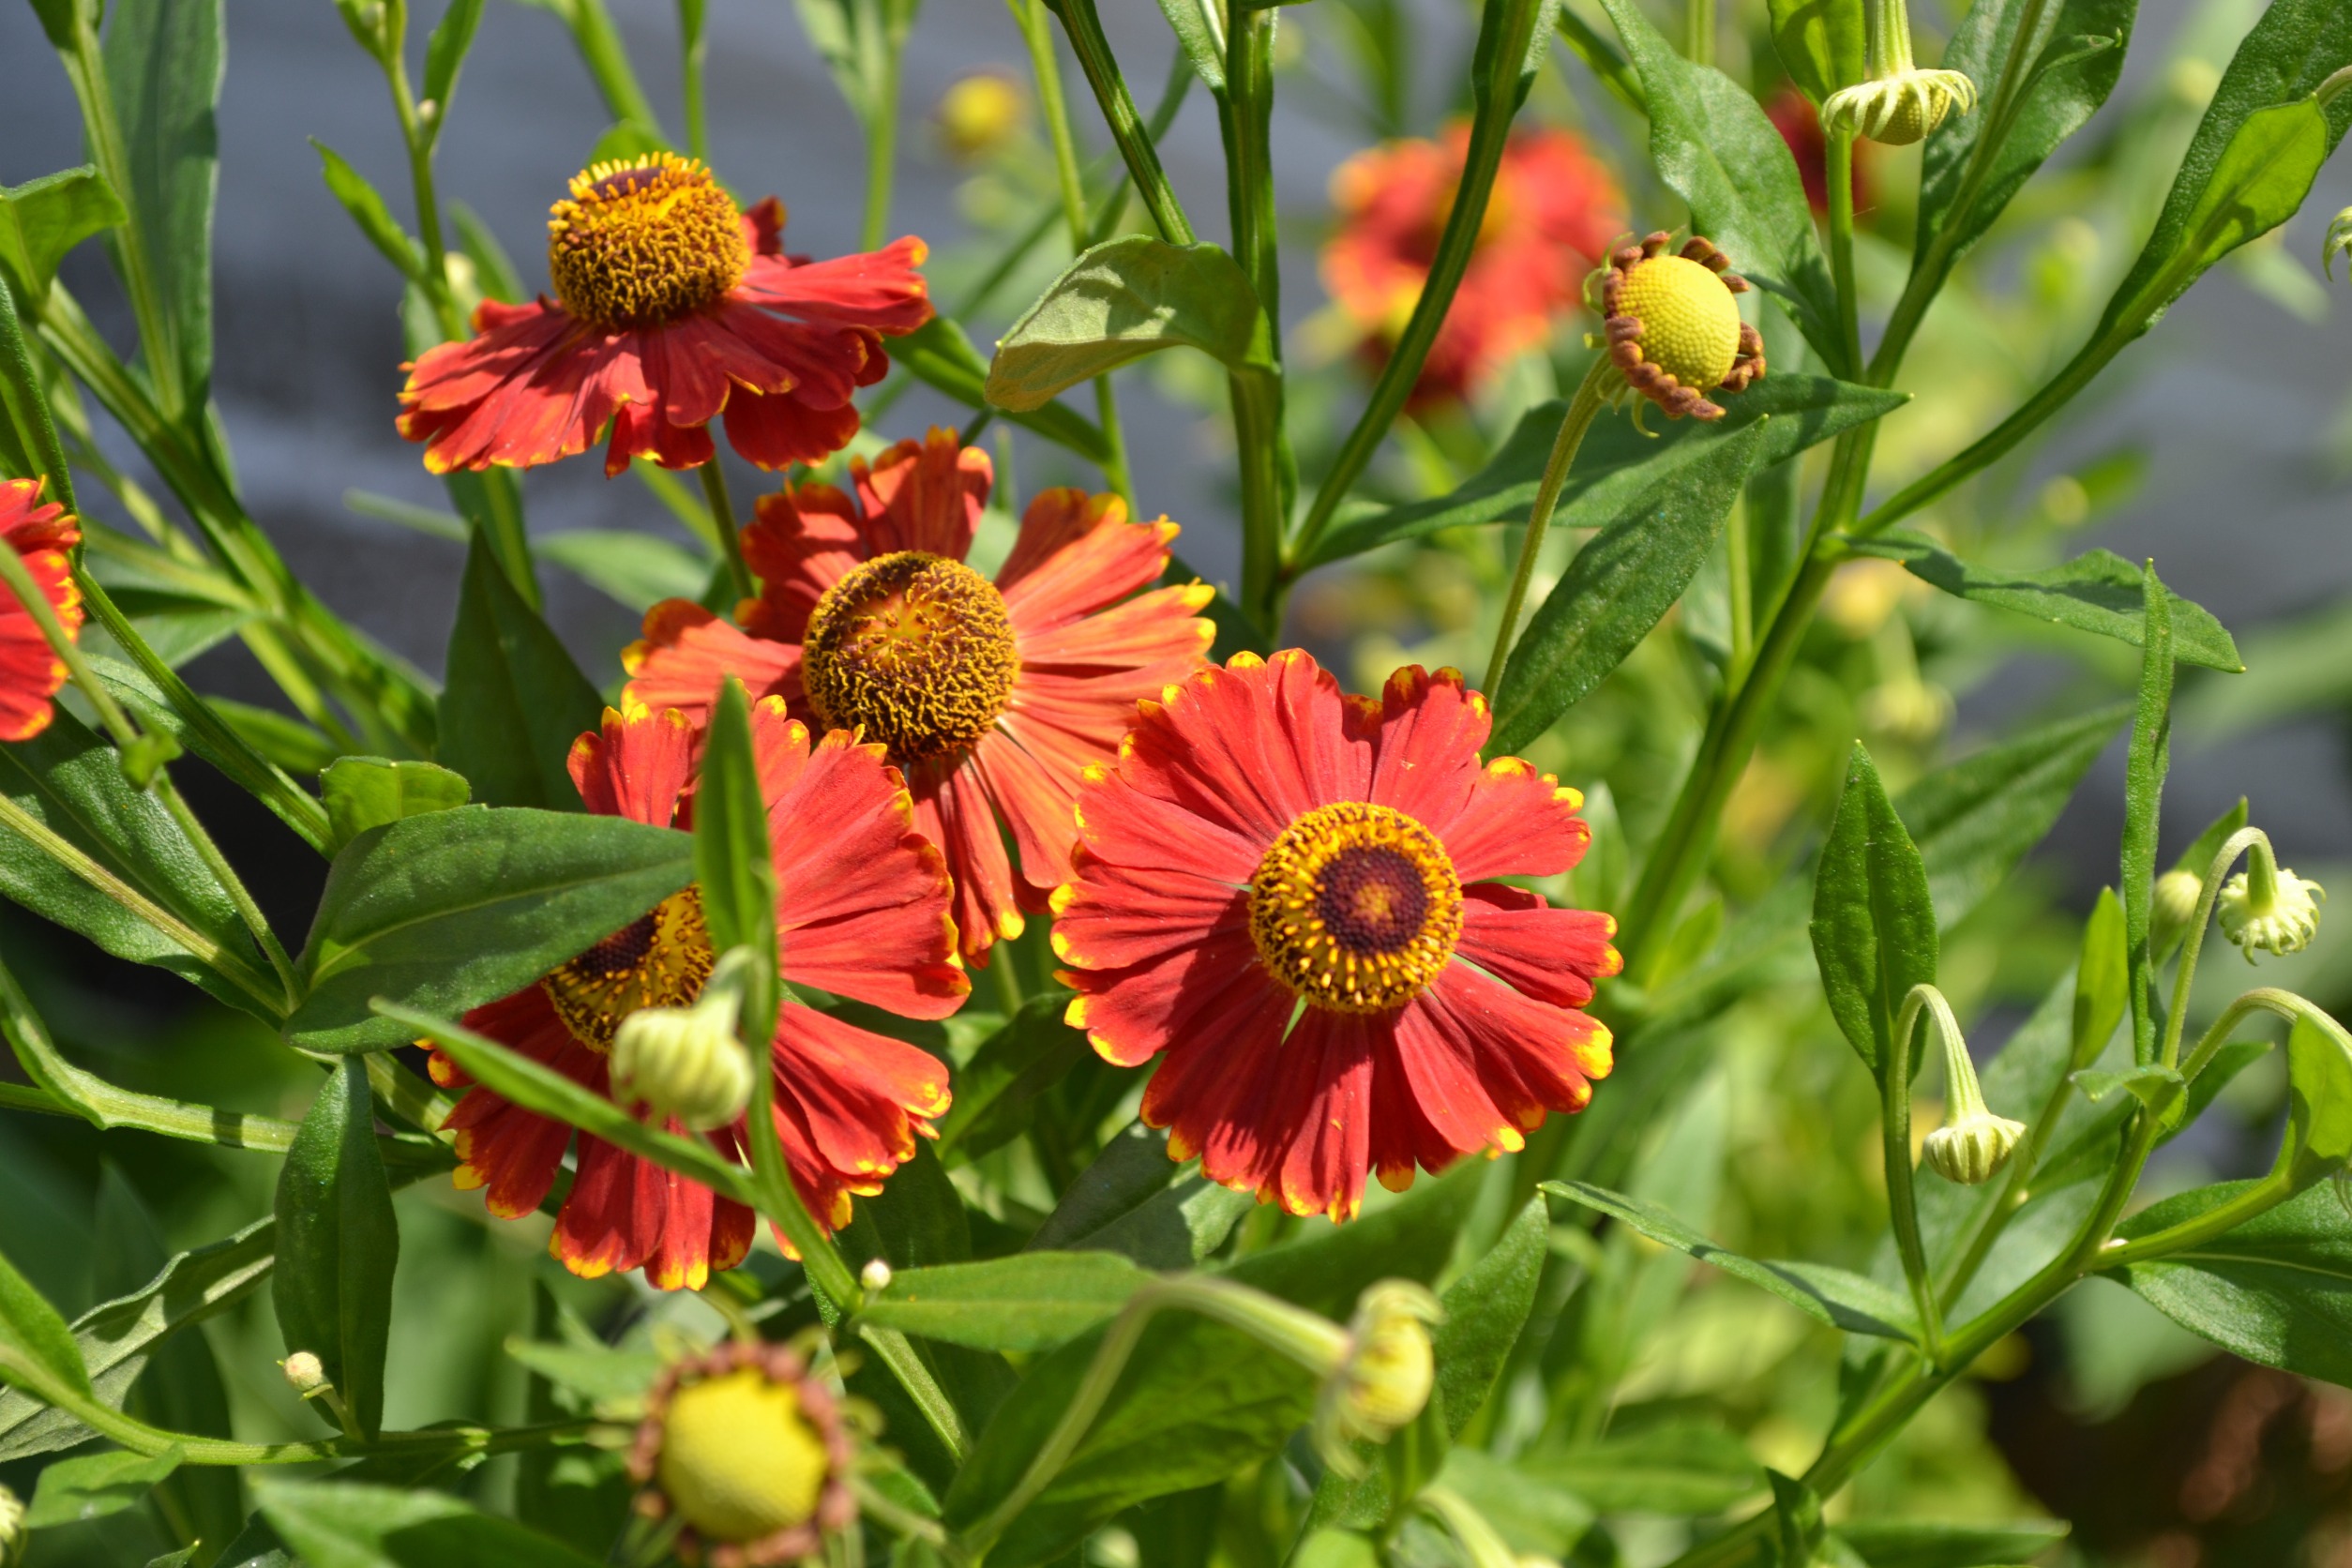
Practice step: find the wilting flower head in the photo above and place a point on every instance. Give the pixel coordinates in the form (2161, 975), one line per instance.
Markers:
(1385, 1381)
(1673, 328)
(2266, 908)
(1281, 892)
(1897, 103)
(673, 308)
(1971, 1149)
(1549, 219)
(750, 1452)
(30, 670)
(862, 913)
(991, 696)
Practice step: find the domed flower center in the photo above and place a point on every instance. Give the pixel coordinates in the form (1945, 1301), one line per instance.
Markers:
(1690, 323)
(656, 960)
(915, 648)
(644, 243)
(740, 1458)
(1356, 907)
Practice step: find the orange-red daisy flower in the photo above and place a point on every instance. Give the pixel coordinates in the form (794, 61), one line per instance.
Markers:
(992, 697)
(1282, 893)
(1549, 221)
(30, 670)
(861, 912)
(673, 308)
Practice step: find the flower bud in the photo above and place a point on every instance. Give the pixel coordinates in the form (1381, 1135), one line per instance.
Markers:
(2175, 905)
(980, 114)
(14, 1537)
(1384, 1381)
(1898, 109)
(2270, 907)
(305, 1373)
(1671, 327)
(1908, 708)
(875, 1276)
(1971, 1150)
(750, 1454)
(2339, 241)
(684, 1062)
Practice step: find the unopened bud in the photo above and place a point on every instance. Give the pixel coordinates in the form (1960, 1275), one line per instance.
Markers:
(2339, 241)
(1385, 1381)
(2268, 908)
(14, 1537)
(2174, 906)
(1908, 708)
(980, 114)
(684, 1062)
(749, 1452)
(305, 1373)
(1972, 1149)
(875, 1276)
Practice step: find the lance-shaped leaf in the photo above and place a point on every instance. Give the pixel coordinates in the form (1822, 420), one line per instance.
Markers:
(1032, 1301)
(731, 864)
(1135, 1202)
(2276, 1290)
(1926, 1543)
(34, 1339)
(342, 1524)
(1620, 585)
(164, 61)
(2098, 592)
(1616, 462)
(1836, 1297)
(1122, 300)
(367, 207)
(453, 908)
(1712, 145)
(514, 700)
(1873, 923)
(337, 1244)
(41, 219)
(2318, 1137)
(1820, 43)
(1679, 1467)
(2143, 768)
(997, 1090)
(75, 1491)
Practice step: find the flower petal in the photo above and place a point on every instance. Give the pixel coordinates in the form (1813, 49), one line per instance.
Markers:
(1553, 955)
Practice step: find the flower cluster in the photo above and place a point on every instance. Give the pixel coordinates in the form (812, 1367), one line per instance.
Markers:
(1287, 895)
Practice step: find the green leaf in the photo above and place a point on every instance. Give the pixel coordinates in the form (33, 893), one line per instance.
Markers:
(2103, 986)
(2155, 1087)
(1199, 1400)
(2251, 161)
(1618, 587)
(337, 1244)
(938, 355)
(1836, 1297)
(1712, 145)
(1873, 921)
(2099, 592)
(42, 220)
(366, 208)
(454, 909)
(33, 1336)
(361, 792)
(1616, 462)
(599, 1372)
(1797, 1519)
(1136, 1201)
(2078, 58)
(1819, 43)
(115, 1338)
(1975, 818)
(2197, 858)
(1681, 1468)
(1919, 1544)
(444, 56)
(72, 782)
(74, 1491)
(1199, 29)
(1122, 300)
(514, 700)
(731, 863)
(331, 1523)
(2276, 1290)
(639, 570)
(2319, 1136)
(2144, 769)
(997, 1090)
(1032, 1301)
(164, 60)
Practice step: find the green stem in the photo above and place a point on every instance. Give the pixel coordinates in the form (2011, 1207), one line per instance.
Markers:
(723, 521)
(1490, 132)
(1246, 115)
(2192, 940)
(1699, 26)
(607, 57)
(1582, 408)
(1839, 169)
(881, 144)
(1316, 1344)
(1894, 1125)
(1084, 29)
(695, 52)
(2269, 1193)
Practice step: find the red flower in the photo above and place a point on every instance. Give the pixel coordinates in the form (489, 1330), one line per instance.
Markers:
(1548, 222)
(862, 913)
(672, 308)
(1800, 125)
(30, 670)
(991, 696)
(1263, 842)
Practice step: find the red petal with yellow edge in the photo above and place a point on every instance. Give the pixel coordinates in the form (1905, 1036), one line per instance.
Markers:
(1550, 1053)
(1077, 554)
(1431, 729)
(1114, 917)
(1322, 1171)
(1518, 823)
(1552, 955)
(1456, 1108)
(925, 495)
(801, 542)
(636, 766)
(513, 1152)
(30, 671)
(1254, 746)
(953, 811)
(1196, 1002)
(687, 653)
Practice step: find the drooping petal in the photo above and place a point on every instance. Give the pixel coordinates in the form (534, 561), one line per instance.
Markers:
(802, 541)
(637, 766)
(925, 495)
(1517, 822)
(687, 653)
(1550, 954)
(1077, 554)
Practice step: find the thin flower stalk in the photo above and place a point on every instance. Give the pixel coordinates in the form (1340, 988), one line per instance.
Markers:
(1582, 408)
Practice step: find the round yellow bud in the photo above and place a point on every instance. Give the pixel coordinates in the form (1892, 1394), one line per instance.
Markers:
(1689, 323)
(2174, 906)
(305, 1373)
(979, 113)
(739, 1459)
